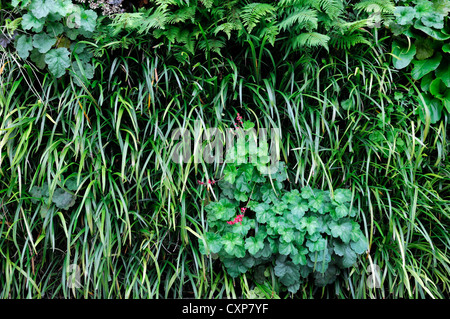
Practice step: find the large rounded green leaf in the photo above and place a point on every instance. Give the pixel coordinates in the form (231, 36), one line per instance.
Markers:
(403, 54)
(424, 67)
(58, 61)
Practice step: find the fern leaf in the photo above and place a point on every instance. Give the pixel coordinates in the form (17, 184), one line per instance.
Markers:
(304, 18)
(373, 6)
(347, 41)
(253, 13)
(214, 44)
(157, 20)
(181, 15)
(333, 8)
(311, 39)
(227, 28)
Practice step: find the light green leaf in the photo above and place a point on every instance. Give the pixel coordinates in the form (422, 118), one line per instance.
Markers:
(43, 42)
(341, 229)
(287, 248)
(63, 199)
(234, 244)
(317, 245)
(254, 245)
(435, 34)
(58, 61)
(88, 20)
(404, 15)
(433, 20)
(214, 242)
(339, 212)
(221, 210)
(24, 45)
(29, 21)
(361, 245)
(55, 28)
(263, 213)
(63, 7)
(41, 8)
(229, 173)
(310, 224)
(307, 192)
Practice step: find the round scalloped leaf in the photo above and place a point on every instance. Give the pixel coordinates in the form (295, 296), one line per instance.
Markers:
(58, 61)
(254, 245)
(24, 45)
(29, 21)
(88, 20)
(214, 242)
(404, 15)
(43, 42)
(63, 199)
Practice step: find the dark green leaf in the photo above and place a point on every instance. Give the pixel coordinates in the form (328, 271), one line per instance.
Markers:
(58, 61)
(424, 67)
(402, 54)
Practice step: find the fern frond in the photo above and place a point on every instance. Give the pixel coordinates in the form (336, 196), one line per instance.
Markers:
(352, 26)
(156, 20)
(214, 44)
(333, 8)
(207, 3)
(181, 15)
(227, 28)
(311, 39)
(270, 32)
(371, 6)
(127, 21)
(303, 18)
(347, 41)
(253, 13)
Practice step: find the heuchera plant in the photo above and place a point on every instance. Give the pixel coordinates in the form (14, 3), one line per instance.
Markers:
(257, 224)
(51, 31)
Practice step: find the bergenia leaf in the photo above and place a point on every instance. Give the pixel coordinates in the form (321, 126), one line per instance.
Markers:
(404, 15)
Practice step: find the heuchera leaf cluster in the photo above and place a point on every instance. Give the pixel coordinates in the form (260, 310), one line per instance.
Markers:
(298, 232)
(57, 26)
